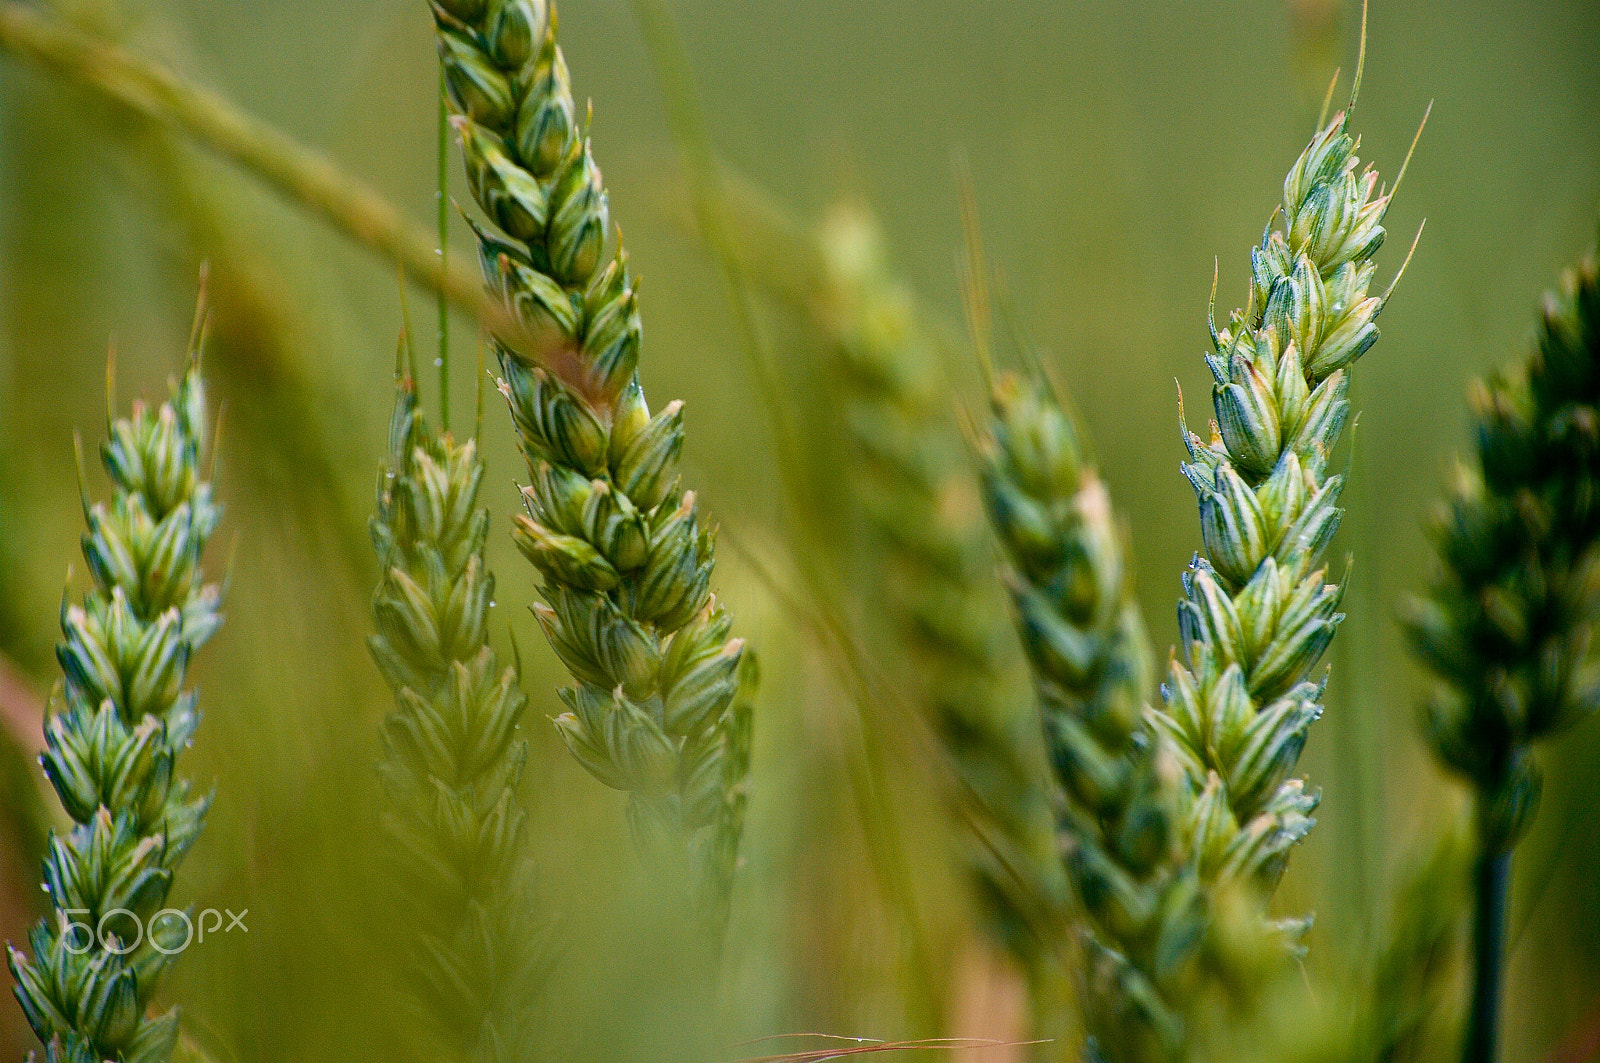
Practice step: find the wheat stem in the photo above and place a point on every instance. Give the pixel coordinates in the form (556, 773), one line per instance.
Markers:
(1490, 886)
(299, 173)
(673, 75)
(442, 206)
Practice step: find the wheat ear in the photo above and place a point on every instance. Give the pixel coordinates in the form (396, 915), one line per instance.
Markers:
(452, 752)
(625, 559)
(909, 483)
(1085, 642)
(112, 744)
(1258, 610)
(1509, 623)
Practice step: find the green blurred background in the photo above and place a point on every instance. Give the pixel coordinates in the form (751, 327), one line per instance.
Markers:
(1116, 150)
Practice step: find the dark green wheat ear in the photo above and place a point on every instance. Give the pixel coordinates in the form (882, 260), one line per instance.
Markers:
(113, 738)
(1508, 625)
(624, 558)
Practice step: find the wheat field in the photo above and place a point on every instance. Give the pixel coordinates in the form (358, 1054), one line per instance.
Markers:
(821, 565)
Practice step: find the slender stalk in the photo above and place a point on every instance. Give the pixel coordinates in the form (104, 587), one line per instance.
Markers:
(442, 205)
(672, 74)
(300, 173)
(1357, 758)
(1491, 882)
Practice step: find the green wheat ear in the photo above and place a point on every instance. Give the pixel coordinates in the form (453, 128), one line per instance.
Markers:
(1510, 618)
(912, 484)
(625, 560)
(1258, 610)
(112, 744)
(1508, 626)
(452, 752)
(1085, 641)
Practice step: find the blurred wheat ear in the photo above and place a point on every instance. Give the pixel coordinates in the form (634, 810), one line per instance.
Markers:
(930, 571)
(1508, 626)
(1070, 583)
(300, 173)
(452, 754)
(112, 745)
(625, 559)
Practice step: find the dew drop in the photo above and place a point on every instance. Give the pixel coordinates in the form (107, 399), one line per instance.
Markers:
(437, 362)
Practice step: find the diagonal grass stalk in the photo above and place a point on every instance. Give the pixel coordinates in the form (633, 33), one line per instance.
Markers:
(300, 173)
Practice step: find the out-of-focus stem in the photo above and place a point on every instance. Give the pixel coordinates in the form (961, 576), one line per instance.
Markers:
(442, 204)
(1493, 878)
(300, 173)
